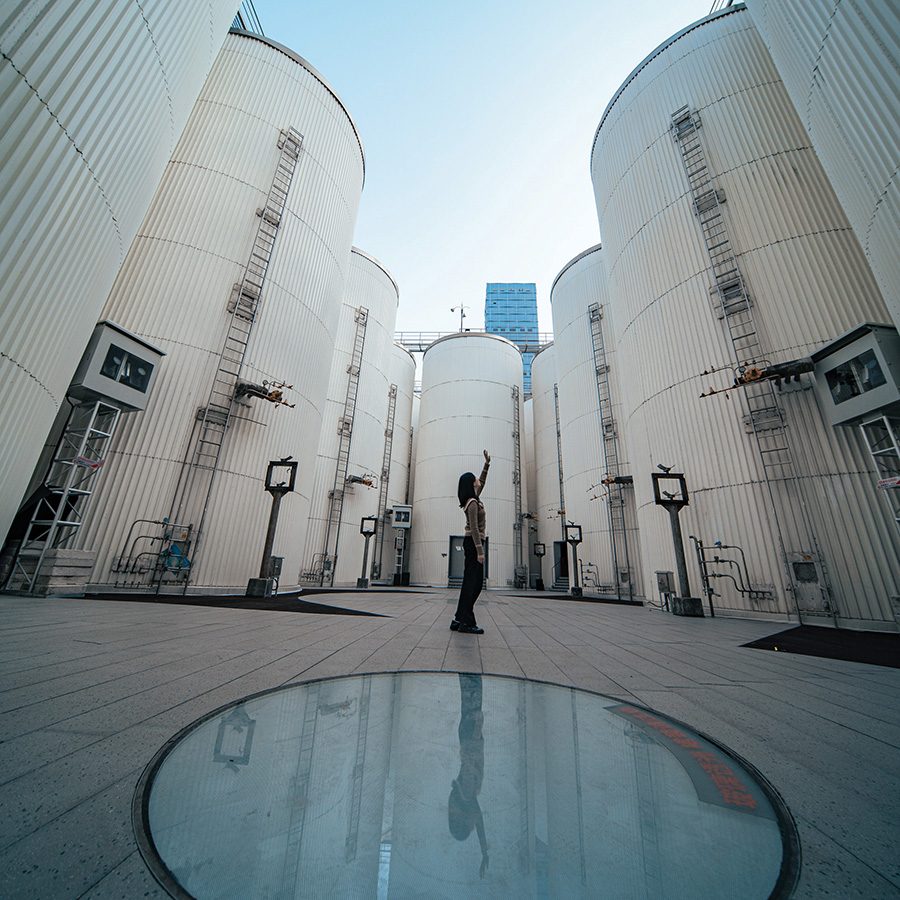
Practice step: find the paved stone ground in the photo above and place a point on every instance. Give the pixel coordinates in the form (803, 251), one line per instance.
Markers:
(89, 690)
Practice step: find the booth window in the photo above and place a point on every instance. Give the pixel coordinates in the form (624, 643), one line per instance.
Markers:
(127, 369)
(855, 377)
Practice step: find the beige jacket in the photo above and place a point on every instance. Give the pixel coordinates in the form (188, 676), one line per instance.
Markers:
(476, 520)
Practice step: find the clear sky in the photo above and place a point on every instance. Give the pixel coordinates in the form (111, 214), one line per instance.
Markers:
(477, 120)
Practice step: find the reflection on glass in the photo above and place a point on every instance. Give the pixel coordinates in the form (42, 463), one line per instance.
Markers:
(115, 356)
(854, 377)
(463, 810)
(342, 790)
(127, 369)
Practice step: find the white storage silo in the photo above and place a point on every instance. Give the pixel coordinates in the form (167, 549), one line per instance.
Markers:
(94, 99)
(353, 426)
(471, 392)
(840, 64)
(830, 551)
(549, 467)
(182, 282)
(591, 429)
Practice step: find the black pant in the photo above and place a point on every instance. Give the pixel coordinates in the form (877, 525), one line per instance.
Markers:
(473, 581)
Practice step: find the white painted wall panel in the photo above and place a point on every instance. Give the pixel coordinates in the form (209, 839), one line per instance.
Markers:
(840, 63)
(466, 406)
(372, 287)
(809, 282)
(93, 98)
(174, 289)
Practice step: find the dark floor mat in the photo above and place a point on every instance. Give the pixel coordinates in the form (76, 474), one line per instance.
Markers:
(281, 603)
(874, 648)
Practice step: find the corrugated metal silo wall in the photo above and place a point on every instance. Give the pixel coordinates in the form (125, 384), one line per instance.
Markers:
(580, 284)
(467, 406)
(544, 376)
(403, 374)
(175, 287)
(840, 63)
(371, 287)
(809, 282)
(93, 98)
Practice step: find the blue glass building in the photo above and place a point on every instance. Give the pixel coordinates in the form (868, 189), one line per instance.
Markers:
(510, 310)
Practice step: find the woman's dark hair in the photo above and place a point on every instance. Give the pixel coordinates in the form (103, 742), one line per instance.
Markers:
(466, 489)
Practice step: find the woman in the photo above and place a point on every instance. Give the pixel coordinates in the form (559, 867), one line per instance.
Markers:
(463, 809)
(468, 492)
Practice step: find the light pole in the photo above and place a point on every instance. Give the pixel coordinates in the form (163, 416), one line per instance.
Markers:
(281, 476)
(539, 551)
(573, 538)
(462, 313)
(367, 527)
(673, 500)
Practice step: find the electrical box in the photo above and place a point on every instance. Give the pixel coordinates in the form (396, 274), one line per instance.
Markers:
(858, 374)
(118, 367)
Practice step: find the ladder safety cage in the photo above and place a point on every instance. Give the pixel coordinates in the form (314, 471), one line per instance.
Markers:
(615, 507)
(765, 417)
(204, 452)
(519, 572)
(559, 464)
(345, 432)
(383, 517)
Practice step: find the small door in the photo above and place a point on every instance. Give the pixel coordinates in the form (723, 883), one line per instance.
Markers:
(560, 560)
(456, 560)
(806, 573)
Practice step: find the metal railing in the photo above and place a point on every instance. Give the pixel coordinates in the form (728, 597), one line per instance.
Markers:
(418, 341)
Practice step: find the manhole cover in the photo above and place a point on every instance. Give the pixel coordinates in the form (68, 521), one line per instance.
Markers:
(444, 785)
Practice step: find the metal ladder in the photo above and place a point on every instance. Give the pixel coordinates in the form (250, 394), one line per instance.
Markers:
(359, 771)
(519, 572)
(385, 479)
(202, 459)
(882, 436)
(618, 531)
(345, 430)
(765, 417)
(559, 465)
(66, 491)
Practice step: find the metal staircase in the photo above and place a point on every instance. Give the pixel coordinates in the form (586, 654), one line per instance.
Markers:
(345, 430)
(519, 571)
(559, 465)
(882, 436)
(765, 417)
(383, 518)
(66, 491)
(202, 459)
(618, 532)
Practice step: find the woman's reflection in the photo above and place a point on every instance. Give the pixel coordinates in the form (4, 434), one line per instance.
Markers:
(463, 811)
